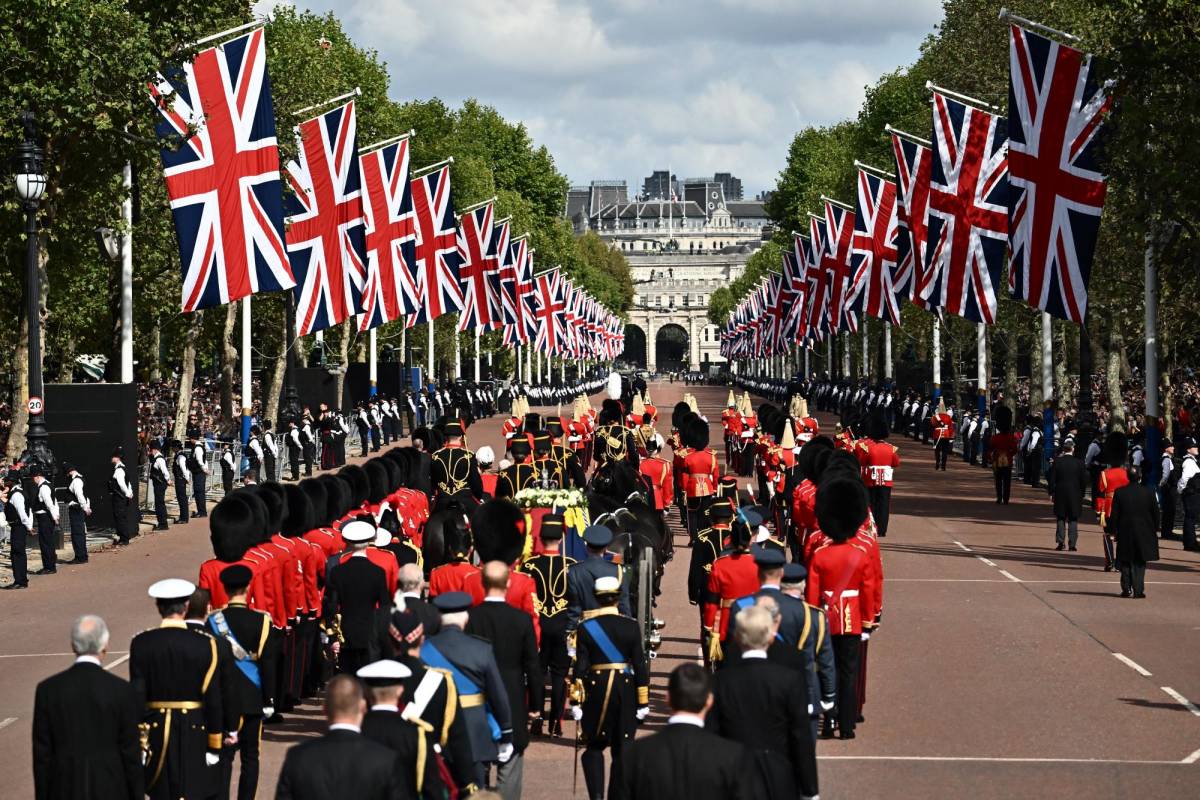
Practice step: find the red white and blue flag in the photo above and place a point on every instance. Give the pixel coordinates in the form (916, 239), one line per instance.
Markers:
(515, 280)
(839, 224)
(968, 209)
(1058, 191)
(391, 289)
(439, 283)
(817, 321)
(223, 179)
(326, 234)
(913, 164)
(550, 304)
(480, 264)
(873, 249)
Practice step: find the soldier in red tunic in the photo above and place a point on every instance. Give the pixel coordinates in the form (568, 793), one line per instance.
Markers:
(658, 471)
(879, 460)
(942, 424)
(1111, 479)
(731, 425)
(451, 576)
(702, 473)
(733, 575)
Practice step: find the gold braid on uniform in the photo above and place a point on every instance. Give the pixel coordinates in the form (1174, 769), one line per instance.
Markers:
(459, 482)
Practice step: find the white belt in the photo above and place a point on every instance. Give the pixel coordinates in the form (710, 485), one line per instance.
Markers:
(880, 473)
(845, 593)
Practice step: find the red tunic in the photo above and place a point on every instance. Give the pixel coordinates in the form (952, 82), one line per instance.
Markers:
(658, 470)
(272, 597)
(679, 469)
(210, 579)
(520, 595)
(841, 580)
(879, 461)
(449, 577)
(1111, 479)
(943, 427)
(1004, 449)
(293, 574)
(804, 510)
(702, 474)
(806, 429)
(733, 575)
(488, 479)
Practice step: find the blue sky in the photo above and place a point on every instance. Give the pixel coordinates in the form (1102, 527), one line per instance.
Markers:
(618, 88)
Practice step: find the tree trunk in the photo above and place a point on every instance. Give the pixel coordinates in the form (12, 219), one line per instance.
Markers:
(66, 363)
(344, 353)
(273, 379)
(1060, 367)
(156, 351)
(187, 371)
(1116, 352)
(1035, 371)
(228, 363)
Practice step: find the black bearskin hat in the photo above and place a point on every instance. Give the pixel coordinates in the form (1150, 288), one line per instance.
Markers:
(337, 498)
(456, 536)
(499, 528)
(680, 411)
(1116, 447)
(806, 461)
(610, 411)
(360, 486)
(232, 528)
(697, 432)
(378, 480)
(394, 473)
(318, 500)
(1003, 417)
(259, 509)
(299, 518)
(276, 500)
(877, 427)
(819, 462)
(842, 464)
(841, 507)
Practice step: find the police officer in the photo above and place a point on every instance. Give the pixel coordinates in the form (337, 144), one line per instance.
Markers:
(160, 478)
(79, 507)
(582, 577)
(120, 492)
(174, 673)
(228, 468)
(455, 472)
(197, 465)
(254, 453)
(549, 570)
(611, 683)
(481, 692)
(20, 522)
(295, 448)
(270, 454)
(45, 519)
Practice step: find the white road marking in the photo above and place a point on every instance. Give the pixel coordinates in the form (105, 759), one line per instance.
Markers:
(1129, 662)
(117, 663)
(1010, 576)
(1192, 759)
(1183, 701)
(963, 546)
(4, 723)
(987, 561)
(1001, 760)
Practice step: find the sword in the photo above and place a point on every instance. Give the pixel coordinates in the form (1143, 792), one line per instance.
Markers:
(575, 777)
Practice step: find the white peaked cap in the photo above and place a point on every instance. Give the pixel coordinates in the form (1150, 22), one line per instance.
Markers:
(607, 584)
(358, 531)
(172, 589)
(385, 669)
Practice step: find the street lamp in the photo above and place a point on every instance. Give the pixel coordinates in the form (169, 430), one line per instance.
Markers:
(30, 180)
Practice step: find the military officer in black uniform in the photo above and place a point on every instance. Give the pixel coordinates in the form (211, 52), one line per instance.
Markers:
(611, 683)
(357, 593)
(793, 615)
(174, 674)
(612, 441)
(709, 544)
(412, 742)
(455, 470)
(815, 646)
(251, 679)
(549, 570)
(521, 474)
(550, 474)
(582, 577)
(569, 466)
(481, 692)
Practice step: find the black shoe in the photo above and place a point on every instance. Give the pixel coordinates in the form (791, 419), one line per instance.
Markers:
(1108, 568)
(846, 735)
(15, 585)
(1139, 597)
(121, 542)
(1126, 594)
(46, 571)
(1072, 548)
(162, 527)
(75, 561)
(274, 719)
(535, 727)
(1060, 546)
(181, 521)
(201, 516)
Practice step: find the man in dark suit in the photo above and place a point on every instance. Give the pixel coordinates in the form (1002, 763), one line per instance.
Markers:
(85, 726)
(343, 763)
(357, 590)
(1068, 481)
(412, 580)
(514, 644)
(762, 705)
(684, 761)
(385, 724)
(1135, 521)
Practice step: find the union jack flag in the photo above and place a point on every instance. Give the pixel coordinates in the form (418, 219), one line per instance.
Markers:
(1058, 189)
(437, 257)
(794, 283)
(873, 257)
(391, 290)
(477, 246)
(548, 296)
(912, 210)
(223, 181)
(514, 278)
(326, 235)
(817, 318)
(836, 262)
(968, 209)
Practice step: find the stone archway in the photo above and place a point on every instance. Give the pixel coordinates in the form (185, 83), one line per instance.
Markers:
(635, 346)
(671, 348)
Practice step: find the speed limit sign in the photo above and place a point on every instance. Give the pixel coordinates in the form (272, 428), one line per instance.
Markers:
(34, 405)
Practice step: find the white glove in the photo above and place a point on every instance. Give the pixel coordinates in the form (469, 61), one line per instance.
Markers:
(826, 705)
(268, 711)
(211, 759)
(642, 713)
(576, 713)
(866, 637)
(505, 753)
(570, 652)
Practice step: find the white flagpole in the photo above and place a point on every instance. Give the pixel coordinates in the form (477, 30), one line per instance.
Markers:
(937, 356)
(477, 336)
(430, 376)
(887, 351)
(127, 276)
(866, 364)
(457, 354)
(981, 358)
(246, 398)
(374, 364)
(539, 368)
(1047, 359)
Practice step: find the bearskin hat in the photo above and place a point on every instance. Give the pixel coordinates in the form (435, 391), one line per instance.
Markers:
(360, 485)
(276, 500)
(299, 518)
(1116, 448)
(842, 464)
(318, 500)
(499, 528)
(379, 482)
(808, 453)
(819, 463)
(877, 427)
(680, 411)
(394, 473)
(610, 411)
(697, 432)
(1003, 417)
(232, 528)
(841, 507)
(259, 509)
(337, 498)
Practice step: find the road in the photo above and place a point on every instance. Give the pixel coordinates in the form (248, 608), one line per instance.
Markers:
(1002, 668)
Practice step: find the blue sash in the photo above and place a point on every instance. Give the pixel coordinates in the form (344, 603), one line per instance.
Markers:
(746, 602)
(248, 665)
(610, 651)
(434, 658)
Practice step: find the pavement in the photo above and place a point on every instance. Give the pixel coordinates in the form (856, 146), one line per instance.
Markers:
(1002, 667)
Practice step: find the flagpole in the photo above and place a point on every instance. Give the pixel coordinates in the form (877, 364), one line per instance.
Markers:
(357, 91)
(477, 337)
(829, 354)
(212, 38)
(374, 364)
(937, 357)
(127, 275)
(982, 105)
(807, 351)
(866, 369)
(838, 203)
(414, 173)
(429, 356)
(887, 351)
(883, 173)
(457, 354)
(905, 135)
(1008, 16)
(981, 366)
(410, 134)
(1047, 358)
(247, 400)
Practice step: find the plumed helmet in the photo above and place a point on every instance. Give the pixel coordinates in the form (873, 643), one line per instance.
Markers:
(499, 528)
(841, 507)
(788, 440)
(613, 389)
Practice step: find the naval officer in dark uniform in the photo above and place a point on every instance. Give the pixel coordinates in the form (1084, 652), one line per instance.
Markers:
(582, 577)
(174, 675)
(611, 685)
(411, 742)
(455, 471)
(481, 692)
(549, 570)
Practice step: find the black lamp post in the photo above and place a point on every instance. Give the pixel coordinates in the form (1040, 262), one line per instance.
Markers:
(30, 183)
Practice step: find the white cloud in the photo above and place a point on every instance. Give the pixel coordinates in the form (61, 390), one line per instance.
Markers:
(616, 88)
